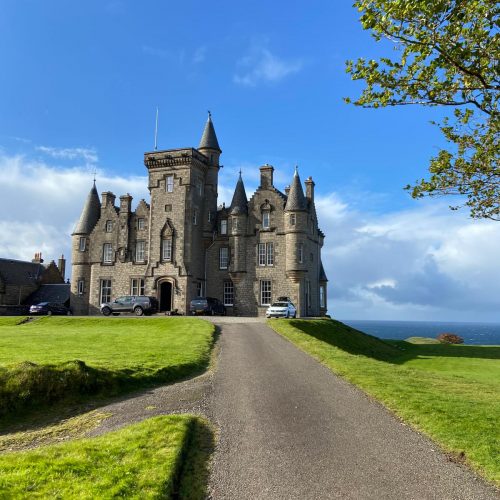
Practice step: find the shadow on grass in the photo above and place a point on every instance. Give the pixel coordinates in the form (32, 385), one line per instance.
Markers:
(358, 343)
(194, 475)
(34, 396)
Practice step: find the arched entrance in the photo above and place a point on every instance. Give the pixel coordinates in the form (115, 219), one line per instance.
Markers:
(165, 296)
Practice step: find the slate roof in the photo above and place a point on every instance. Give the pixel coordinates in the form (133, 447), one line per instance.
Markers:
(19, 272)
(209, 138)
(322, 274)
(296, 199)
(239, 205)
(59, 293)
(90, 213)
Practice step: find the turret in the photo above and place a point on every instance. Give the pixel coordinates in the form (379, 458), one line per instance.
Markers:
(80, 276)
(209, 145)
(238, 212)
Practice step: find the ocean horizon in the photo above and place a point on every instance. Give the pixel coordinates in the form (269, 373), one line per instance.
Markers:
(473, 333)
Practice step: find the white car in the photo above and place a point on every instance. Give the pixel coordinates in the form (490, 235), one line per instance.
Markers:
(281, 309)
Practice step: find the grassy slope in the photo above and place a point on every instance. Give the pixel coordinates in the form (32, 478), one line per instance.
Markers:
(115, 355)
(140, 461)
(451, 393)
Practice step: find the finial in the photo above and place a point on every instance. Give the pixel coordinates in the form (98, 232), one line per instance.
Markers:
(240, 172)
(94, 172)
(296, 170)
(209, 114)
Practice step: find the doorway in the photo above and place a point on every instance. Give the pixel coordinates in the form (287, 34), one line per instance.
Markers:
(165, 296)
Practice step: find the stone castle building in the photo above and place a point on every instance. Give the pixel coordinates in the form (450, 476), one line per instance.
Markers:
(181, 245)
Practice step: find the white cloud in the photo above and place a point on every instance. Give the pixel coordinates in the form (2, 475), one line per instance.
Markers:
(87, 154)
(260, 65)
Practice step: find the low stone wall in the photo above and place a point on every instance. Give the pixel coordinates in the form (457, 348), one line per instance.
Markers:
(14, 310)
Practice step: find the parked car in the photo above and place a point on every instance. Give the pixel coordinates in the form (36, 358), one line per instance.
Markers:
(281, 309)
(49, 308)
(138, 304)
(207, 305)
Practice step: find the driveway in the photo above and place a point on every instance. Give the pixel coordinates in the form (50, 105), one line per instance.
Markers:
(288, 428)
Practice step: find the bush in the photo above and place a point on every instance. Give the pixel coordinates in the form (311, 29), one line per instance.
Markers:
(450, 338)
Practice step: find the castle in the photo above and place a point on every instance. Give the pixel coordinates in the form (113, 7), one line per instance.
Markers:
(181, 245)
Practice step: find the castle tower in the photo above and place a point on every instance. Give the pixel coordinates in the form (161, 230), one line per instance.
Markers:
(238, 212)
(296, 240)
(80, 253)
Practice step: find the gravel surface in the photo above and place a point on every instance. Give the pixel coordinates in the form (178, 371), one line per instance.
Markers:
(288, 428)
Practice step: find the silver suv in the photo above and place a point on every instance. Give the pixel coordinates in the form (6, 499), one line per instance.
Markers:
(138, 304)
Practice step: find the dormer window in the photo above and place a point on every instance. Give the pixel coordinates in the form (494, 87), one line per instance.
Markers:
(109, 226)
(140, 224)
(223, 226)
(265, 219)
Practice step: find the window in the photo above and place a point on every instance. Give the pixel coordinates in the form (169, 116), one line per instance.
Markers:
(228, 293)
(169, 183)
(168, 208)
(199, 289)
(139, 251)
(270, 254)
(81, 286)
(83, 244)
(223, 226)
(137, 286)
(265, 292)
(322, 297)
(107, 253)
(265, 220)
(311, 257)
(105, 292)
(109, 226)
(308, 294)
(195, 217)
(300, 254)
(200, 187)
(209, 216)
(292, 219)
(167, 249)
(223, 257)
(140, 224)
(235, 224)
(262, 254)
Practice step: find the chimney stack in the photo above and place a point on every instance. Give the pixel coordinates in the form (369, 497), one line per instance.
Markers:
(309, 188)
(61, 265)
(108, 199)
(38, 258)
(266, 176)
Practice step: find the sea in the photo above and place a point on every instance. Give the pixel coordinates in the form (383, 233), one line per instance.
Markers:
(472, 333)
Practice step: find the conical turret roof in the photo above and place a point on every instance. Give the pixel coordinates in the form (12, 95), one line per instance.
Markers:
(209, 138)
(90, 213)
(239, 205)
(296, 199)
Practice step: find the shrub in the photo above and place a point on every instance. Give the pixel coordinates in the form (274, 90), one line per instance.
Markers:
(450, 338)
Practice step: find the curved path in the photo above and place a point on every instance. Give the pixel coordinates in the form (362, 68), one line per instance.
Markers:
(291, 429)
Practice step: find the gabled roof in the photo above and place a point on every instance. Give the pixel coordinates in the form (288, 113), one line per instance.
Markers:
(59, 293)
(19, 272)
(90, 213)
(239, 205)
(209, 138)
(296, 199)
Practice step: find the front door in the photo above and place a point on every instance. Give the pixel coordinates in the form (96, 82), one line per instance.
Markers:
(166, 296)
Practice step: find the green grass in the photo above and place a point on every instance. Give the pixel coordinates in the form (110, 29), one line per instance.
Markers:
(449, 392)
(144, 460)
(51, 359)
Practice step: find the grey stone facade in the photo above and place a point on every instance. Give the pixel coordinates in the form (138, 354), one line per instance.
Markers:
(181, 245)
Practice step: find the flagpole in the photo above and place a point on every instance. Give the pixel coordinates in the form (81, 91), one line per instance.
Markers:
(156, 130)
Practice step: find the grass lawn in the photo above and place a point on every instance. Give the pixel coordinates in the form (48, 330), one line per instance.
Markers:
(449, 392)
(143, 460)
(52, 358)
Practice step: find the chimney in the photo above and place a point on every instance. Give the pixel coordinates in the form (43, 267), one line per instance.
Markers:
(125, 203)
(61, 265)
(38, 258)
(309, 188)
(287, 190)
(266, 176)
(108, 199)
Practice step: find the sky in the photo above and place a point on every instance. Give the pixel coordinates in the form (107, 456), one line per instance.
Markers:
(79, 87)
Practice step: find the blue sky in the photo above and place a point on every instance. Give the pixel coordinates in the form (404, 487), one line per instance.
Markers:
(80, 83)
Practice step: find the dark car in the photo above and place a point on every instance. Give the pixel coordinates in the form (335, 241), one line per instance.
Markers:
(207, 305)
(49, 308)
(138, 304)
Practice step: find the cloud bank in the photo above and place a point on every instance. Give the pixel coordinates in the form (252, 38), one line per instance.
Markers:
(425, 263)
